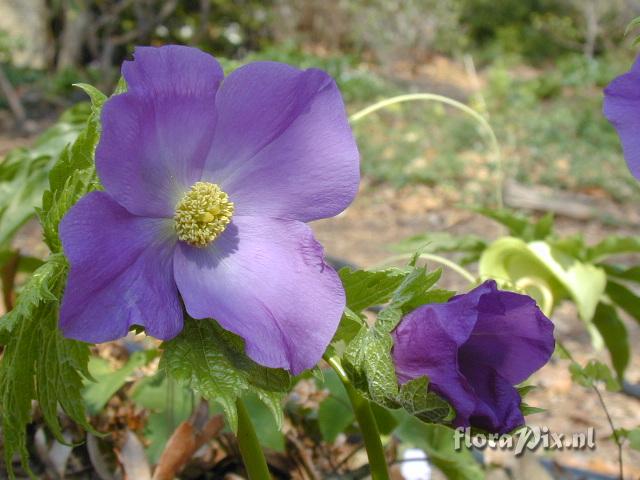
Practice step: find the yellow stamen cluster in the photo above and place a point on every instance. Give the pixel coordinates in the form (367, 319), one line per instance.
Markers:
(202, 214)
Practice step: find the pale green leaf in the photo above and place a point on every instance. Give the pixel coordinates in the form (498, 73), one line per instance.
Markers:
(515, 262)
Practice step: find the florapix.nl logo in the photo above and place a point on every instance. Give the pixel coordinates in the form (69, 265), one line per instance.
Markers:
(527, 438)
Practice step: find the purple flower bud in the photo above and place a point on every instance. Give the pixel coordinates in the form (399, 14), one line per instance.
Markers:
(474, 349)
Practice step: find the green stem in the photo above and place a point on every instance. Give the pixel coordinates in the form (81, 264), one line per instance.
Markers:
(431, 97)
(368, 426)
(252, 455)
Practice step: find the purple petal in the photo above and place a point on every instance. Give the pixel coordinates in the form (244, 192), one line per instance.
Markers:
(283, 147)
(426, 342)
(622, 109)
(121, 273)
(266, 281)
(498, 406)
(155, 137)
(512, 336)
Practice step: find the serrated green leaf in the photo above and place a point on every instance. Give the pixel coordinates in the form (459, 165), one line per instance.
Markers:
(40, 289)
(97, 97)
(52, 370)
(427, 406)
(365, 288)
(370, 367)
(367, 358)
(38, 363)
(624, 298)
(71, 177)
(211, 361)
(615, 336)
(413, 289)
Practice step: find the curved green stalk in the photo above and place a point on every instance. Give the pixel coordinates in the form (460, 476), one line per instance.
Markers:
(432, 97)
(463, 272)
(252, 455)
(367, 422)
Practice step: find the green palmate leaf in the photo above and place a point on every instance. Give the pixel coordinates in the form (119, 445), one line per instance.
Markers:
(614, 334)
(439, 443)
(365, 288)
(592, 373)
(418, 401)
(211, 361)
(23, 172)
(624, 298)
(613, 245)
(38, 363)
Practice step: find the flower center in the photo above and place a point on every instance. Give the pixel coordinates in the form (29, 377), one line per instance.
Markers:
(202, 214)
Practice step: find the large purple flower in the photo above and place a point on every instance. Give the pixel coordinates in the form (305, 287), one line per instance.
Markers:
(208, 185)
(622, 109)
(474, 348)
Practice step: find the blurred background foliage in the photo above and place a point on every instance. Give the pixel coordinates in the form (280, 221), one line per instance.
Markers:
(535, 68)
